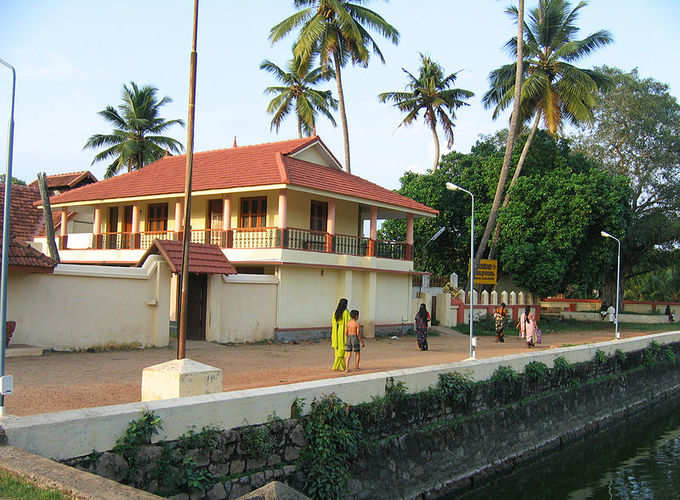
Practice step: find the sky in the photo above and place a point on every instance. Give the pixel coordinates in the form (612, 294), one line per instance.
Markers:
(72, 58)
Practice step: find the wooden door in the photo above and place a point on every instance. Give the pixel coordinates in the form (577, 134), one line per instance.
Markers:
(214, 222)
(112, 239)
(127, 227)
(196, 307)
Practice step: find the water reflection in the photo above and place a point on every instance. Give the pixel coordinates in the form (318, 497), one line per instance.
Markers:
(639, 459)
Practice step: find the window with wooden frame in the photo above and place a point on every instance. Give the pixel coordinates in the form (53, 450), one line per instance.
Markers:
(319, 216)
(253, 212)
(157, 219)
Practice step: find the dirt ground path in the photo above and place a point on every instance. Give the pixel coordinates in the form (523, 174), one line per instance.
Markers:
(64, 381)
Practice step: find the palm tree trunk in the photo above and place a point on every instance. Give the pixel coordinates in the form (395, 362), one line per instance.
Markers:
(343, 115)
(130, 165)
(491, 223)
(299, 128)
(436, 148)
(518, 170)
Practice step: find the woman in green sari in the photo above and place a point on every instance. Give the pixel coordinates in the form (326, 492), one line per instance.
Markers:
(339, 322)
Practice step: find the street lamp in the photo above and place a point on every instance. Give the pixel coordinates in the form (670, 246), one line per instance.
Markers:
(605, 234)
(454, 187)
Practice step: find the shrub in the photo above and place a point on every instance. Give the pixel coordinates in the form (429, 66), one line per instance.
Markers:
(333, 436)
(535, 371)
(455, 389)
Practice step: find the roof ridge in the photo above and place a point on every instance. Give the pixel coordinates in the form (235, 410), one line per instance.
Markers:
(310, 138)
(282, 168)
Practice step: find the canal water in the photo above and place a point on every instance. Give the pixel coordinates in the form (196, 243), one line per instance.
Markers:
(638, 459)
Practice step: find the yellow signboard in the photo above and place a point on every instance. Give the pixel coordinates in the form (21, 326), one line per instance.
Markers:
(487, 272)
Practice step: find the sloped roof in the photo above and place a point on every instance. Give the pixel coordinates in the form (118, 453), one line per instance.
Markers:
(27, 258)
(66, 180)
(25, 218)
(204, 259)
(243, 166)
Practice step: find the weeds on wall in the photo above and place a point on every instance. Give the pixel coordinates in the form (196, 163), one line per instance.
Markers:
(333, 435)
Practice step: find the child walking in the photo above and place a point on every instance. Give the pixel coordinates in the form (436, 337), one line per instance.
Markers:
(354, 340)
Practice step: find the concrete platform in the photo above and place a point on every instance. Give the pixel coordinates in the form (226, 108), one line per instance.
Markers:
(74, 483)
(23, 350)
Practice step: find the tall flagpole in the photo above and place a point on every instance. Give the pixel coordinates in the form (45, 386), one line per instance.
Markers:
(181, 341)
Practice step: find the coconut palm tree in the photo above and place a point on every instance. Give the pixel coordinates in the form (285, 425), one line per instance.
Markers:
(297, 90)
(553, 90)
(135, 141)
(336, 30)
(431, 93)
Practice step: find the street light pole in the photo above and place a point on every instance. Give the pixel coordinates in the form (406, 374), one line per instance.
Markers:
(605, 234)
(454, 187)
(5, 235)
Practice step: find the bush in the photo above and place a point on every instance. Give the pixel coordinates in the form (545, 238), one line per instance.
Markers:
(535, 371)
(333, 435)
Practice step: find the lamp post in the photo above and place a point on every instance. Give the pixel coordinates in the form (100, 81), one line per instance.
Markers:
(5, 237)
(605, 234)
(454, 187)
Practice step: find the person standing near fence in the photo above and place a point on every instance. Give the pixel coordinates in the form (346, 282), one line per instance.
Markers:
(530, 329)
(499, 317)
(522, 324)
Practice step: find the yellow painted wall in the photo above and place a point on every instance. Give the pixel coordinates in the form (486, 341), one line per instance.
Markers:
(393, 302)
(240, 312)
(307, 298)
(90, 309)
(299, 212)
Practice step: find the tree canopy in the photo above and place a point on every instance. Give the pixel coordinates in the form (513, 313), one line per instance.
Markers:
(137, 122)
(431, 92)
(338, 32)
(636, 134)
(550, 239)
(298, 91)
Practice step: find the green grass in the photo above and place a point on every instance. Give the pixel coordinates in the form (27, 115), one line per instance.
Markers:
(486, 327)
(11, 487)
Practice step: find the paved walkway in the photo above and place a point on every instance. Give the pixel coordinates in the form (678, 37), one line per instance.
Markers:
(63, 381)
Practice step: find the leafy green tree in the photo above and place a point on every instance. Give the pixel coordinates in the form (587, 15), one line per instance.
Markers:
(431, 93)
(137, 122)
(336, 30)
(636, 133)
(553, 89)
(298, 91)
(16, 181)
(550, 239)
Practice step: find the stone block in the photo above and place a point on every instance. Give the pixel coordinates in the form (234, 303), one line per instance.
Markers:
(217, 492)
(179, 378)
(112, 466)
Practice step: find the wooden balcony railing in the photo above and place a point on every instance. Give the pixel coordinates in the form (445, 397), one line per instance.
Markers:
(264, 237)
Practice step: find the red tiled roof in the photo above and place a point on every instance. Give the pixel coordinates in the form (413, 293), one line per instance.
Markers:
(25, 218)
(67, 180)
(205, 259)
(312, 175)
(27, 258)
(243, 166)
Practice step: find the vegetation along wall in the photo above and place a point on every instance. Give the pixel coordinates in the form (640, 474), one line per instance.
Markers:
(425, 444)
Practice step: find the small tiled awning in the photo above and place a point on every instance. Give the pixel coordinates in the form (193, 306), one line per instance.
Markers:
(26, 258)
(203, 259)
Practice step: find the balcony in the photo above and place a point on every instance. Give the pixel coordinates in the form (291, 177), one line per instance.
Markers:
(256, 238)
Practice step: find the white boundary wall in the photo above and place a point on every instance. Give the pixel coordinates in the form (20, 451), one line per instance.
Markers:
(81, 306)
(76, 433)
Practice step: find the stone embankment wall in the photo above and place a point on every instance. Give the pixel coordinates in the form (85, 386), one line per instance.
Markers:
(434, 442)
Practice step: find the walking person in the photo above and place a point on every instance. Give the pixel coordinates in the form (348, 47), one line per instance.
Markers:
(499, 316)
(522, 324)
(354, 340)
(339, 322)
(532, 331)
(422, 317)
